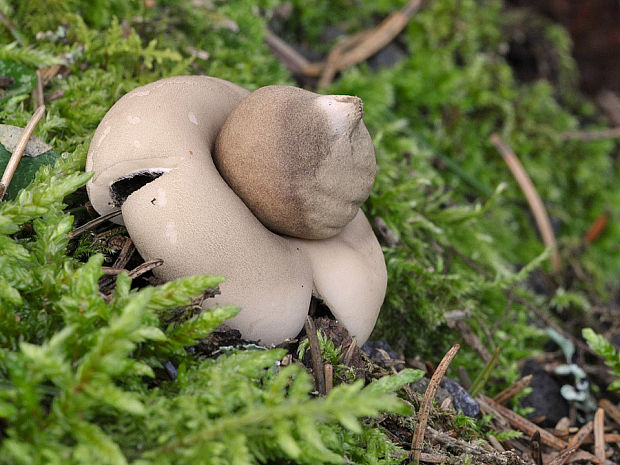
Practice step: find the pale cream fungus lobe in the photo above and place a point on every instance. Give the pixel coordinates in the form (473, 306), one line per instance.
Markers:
(178, 207)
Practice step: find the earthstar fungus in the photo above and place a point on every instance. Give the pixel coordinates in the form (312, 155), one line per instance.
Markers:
(152, 156)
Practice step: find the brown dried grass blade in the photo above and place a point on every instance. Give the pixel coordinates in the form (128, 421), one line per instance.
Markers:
(370, 43)
(349, 52)
(563, 456)
(536, 449)
(532, 197)
(525, 425)
(612, 411)
(594, 134)
(512, 390)
(599, 434)
(292, 59)
(145, 267)
(581, 435)
(38, 91)
(429, 395)
(93, 223)
(11, 166)
(315, 353)
(328, 368)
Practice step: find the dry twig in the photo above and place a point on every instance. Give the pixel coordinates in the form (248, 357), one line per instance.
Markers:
(350, 351)
(482, 455)
(315, 353)
(433, 458)
(38, 91)
(580, 437)
(93, 223)
(328, 368)
(512, 390)
(125, 254)
(145, 267)
(563, 456)
(532, 197)
(593, 134)
(536, 449)
(599, 434)
(530, 428)
(294, 61)
(349, 52)
(524, 425)
(347, 55)
(472, 340)
(425, 406)
(11, 166)
(611, 410)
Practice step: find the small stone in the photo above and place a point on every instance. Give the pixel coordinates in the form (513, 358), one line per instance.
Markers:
(461, 400)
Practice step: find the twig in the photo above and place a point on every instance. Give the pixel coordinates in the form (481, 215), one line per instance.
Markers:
(425, 406)
(48, 73)
(563, 456)
(483, 456)
(38, 91)
(294, 61)
(92, 223)
(145, 267)
(581, 435)
(329, 377)
(350, 351)
(336, 57)
(593, 134)
(472, 340)
(11, 166)
(372, 42)
(315, 353)
(562, 428)
(112, 270)
(530, 428)
(125, 254)
(611, 410)
(347, 53)
(433, 458)
(137, 271)
(536, 449)
(512, 390)
(612, 437)
(599, 434)
(532, 197)
(524, 425)
(495, 443)
(487, 409)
